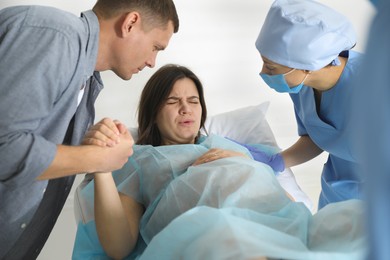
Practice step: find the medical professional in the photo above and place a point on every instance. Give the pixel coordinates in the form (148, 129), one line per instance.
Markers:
(306, 52)
(49, 71)
(373, 131)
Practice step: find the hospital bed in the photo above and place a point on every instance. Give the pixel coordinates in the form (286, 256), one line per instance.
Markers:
(246, 125)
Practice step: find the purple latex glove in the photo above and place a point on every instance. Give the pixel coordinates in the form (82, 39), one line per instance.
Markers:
(275, 161)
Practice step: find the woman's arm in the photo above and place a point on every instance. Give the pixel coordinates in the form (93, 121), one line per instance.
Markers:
(217, 153)
(117, 217)
(302, 151)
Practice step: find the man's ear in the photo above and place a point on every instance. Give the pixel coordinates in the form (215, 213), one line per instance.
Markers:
(129, 21)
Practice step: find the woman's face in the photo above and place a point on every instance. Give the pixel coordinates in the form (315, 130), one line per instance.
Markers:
(180, 116)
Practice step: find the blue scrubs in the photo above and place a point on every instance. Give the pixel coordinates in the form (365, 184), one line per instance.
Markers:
(373, 137)
(328, 128)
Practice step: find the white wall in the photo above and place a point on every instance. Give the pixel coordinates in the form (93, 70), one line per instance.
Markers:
(216, 40)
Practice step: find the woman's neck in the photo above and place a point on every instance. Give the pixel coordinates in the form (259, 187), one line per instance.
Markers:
(327, 77)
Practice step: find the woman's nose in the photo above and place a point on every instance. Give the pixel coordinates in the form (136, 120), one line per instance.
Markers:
(185, 109)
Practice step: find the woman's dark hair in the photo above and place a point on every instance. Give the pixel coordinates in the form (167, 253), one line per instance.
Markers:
(153, 97)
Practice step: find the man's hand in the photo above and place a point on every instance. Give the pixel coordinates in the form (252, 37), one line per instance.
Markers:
(116, 156)
(115, 135)
(104, 133)
(106, 147)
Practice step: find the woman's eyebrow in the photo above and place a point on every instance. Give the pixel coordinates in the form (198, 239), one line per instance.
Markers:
(176, 98)
(173, 98)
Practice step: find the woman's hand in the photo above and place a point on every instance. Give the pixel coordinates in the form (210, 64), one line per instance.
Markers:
(215, 154)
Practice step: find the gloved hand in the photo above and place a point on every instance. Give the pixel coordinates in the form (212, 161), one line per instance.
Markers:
(275, 161)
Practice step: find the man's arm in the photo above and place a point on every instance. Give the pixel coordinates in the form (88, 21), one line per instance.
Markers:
(70, 160)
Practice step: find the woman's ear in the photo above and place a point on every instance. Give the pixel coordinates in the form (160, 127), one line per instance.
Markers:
(130, 20)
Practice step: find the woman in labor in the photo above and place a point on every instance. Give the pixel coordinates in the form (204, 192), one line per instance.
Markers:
(181, 186)
(305, 48)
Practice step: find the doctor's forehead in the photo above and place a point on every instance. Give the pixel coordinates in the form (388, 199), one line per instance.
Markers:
(270, 62)
(265, 60)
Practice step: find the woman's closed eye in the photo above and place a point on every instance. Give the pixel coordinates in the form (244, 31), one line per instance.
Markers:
(193, 100)
(174, 100)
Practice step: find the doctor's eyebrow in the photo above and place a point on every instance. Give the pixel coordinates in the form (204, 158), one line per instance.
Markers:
(269, 63)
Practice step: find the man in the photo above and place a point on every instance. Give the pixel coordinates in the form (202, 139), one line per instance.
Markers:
(49, 70)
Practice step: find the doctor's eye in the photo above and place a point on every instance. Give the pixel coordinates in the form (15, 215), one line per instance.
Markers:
(269, 67)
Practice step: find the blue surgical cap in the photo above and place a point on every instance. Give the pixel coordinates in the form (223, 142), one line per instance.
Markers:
(304, 34)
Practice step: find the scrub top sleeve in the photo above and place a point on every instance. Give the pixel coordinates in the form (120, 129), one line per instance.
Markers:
(36, 67)
(301, 128)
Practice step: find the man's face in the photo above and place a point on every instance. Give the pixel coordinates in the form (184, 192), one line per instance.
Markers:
(139, 49)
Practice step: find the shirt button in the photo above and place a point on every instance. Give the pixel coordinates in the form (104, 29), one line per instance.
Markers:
(44, 190)
(23, 226)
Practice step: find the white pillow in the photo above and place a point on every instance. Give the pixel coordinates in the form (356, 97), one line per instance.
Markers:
(245, 125)
(249, 125)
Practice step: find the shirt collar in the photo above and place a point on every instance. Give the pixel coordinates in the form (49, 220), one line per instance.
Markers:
(91, 24)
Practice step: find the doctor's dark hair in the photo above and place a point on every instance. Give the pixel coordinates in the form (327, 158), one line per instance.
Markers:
(153, 97)
(154, 13)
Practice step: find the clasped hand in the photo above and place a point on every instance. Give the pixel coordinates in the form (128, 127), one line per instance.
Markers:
(114, 137)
